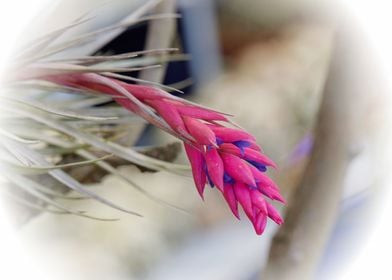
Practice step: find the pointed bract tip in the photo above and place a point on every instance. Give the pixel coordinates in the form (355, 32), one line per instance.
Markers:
(230, 197)
(274, 215)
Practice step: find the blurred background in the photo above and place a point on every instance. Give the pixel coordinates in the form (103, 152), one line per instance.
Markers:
(300, 76)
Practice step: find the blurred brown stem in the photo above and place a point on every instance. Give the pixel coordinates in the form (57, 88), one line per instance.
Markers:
(297, 247)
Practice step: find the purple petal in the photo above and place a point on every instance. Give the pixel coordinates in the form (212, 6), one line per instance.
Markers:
(250, 154)
(227, 179)
(219, 141)
(241, 145)
(260, 161)
(259, 166)
(303, 149)
(238, 169)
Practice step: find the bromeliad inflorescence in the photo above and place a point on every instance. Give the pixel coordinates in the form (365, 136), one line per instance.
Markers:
(225, 157)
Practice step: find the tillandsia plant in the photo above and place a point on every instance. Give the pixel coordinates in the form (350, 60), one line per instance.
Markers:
(220, 153)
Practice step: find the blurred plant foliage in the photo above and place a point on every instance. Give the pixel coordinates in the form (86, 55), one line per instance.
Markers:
(43, 124)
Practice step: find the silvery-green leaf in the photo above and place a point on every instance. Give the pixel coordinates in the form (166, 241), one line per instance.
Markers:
(88, 37)
(106, 166)
(25, 184)
(17, 138)
(105, 58)
(65, 179)
(42, 169)
(31, 205)
(60, 112)
(39, 44)
(52, 193)
(37, 70)
(110, 147)
(145, 60)
(128, 78)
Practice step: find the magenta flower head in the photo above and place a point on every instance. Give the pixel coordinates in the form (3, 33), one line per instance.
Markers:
(237, 168)
(224, 157)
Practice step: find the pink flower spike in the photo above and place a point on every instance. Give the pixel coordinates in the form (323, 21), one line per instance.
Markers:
(227, 134)
(200, 131)
(238, 169)
(226, 157)
(197, 162)
(243, 196)
(215, 167)
(258, 201)
(229, 195)
(260, 223)
(274, 214)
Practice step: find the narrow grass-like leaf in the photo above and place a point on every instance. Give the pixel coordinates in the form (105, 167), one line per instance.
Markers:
(39, 44)
(17, 138)
(128, 78)
(145, 60)
(25, 184)
(110, 147)
(60, 112)
(56, 194)
(105, 58)
(67, 180)
(35, 206)
(38, 70)
(13, 154)
(41, 169)
(106, 166)
(88, 37)
(181, 84)
(48, 88)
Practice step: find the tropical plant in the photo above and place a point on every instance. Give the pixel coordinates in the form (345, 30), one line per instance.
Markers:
(55, 108)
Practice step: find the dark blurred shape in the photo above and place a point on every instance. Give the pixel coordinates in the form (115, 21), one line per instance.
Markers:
(134, 39)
